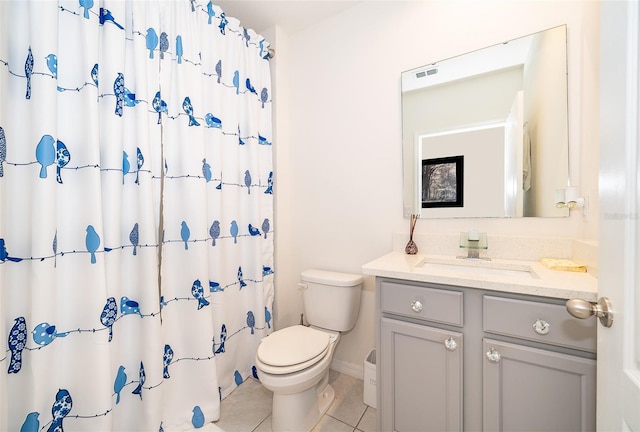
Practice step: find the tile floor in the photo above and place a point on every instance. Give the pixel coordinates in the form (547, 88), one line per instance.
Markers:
(248, 408)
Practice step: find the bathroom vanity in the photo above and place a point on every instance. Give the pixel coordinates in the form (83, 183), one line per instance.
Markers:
(482, 345)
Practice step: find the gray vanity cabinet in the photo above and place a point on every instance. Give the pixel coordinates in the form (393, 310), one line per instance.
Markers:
(542, 386)
(455, 358)
(423, 383)
(538, 390)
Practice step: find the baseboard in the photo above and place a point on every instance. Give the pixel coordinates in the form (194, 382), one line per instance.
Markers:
(351, 369)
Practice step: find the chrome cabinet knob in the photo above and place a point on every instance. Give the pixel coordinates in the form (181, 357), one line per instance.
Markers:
(416, 306)
(541, 327)
(493, 356)
(583, 309)
(450, 344)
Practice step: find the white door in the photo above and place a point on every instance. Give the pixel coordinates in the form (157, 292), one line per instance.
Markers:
(619, 267)
(514, 157)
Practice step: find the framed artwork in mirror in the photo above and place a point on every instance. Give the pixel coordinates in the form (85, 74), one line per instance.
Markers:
(442, 182)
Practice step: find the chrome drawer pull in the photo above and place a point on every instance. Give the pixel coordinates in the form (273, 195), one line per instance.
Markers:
(416, 306)
(541, 327)
(450, 344)
(493, 356)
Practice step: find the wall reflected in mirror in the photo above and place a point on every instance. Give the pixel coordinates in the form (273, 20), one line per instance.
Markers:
(504, 110)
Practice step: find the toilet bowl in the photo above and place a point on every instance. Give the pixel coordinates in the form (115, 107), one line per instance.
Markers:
(294, 362)
(300, 385)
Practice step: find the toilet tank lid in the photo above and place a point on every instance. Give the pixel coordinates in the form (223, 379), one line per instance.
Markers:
(331, 278)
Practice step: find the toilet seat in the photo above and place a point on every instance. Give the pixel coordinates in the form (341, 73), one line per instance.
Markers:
(292, 349)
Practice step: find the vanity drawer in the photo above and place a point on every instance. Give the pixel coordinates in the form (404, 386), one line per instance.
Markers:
(537, 321)
(429, 304)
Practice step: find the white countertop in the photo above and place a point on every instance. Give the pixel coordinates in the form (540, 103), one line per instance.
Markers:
(545, 282)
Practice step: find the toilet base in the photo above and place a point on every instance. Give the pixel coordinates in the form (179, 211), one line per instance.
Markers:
(300, 412)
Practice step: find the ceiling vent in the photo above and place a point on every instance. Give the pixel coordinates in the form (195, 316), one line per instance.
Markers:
(427, 72)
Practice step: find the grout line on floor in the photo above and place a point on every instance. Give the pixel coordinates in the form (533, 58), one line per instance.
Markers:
(361, 417)
(337, 419)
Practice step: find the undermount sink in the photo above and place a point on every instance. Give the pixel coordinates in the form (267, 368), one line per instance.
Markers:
(476, 267)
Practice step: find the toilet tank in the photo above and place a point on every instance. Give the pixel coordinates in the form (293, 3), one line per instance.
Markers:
(331, 300)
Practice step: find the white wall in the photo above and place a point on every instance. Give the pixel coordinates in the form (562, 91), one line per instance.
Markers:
(338, 185)
(483, 158)
(546, 126)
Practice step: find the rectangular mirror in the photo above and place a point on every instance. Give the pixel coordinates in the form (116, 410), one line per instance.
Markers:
(502, 113)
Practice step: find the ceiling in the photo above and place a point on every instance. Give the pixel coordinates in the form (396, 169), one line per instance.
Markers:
(290, 15)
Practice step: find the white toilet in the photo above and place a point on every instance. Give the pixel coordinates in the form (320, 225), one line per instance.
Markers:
(294, 362)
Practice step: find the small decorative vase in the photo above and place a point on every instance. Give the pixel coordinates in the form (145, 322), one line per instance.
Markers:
(412, 248)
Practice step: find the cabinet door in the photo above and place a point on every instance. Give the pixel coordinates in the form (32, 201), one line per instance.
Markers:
(421, 374)
(529, 389)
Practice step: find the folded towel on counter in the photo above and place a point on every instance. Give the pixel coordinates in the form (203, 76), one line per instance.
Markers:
(563, 265)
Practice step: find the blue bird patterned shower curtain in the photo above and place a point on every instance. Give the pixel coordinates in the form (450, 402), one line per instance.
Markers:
(136, 239)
